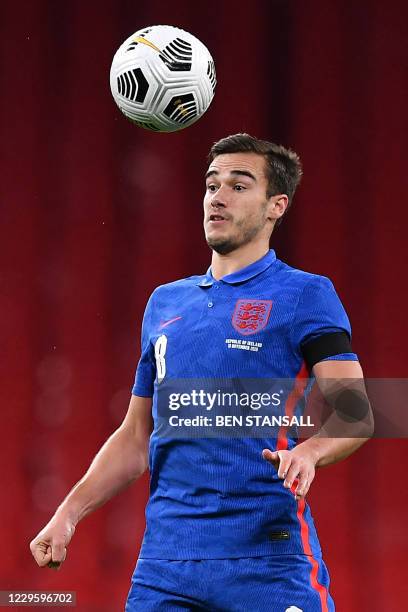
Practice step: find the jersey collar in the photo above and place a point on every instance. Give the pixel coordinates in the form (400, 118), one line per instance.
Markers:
(244, 274)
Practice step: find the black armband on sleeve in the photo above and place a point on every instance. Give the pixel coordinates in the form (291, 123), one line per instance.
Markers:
(326, 345)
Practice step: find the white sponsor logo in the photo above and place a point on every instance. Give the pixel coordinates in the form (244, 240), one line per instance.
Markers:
(293, 609)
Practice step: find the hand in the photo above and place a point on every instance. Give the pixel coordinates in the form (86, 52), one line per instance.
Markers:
(296, 467)
(49, 547)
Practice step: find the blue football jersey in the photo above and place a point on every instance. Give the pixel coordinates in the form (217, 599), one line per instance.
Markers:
(217, 497)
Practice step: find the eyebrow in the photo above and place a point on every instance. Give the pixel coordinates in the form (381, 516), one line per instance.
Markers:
(234, 173)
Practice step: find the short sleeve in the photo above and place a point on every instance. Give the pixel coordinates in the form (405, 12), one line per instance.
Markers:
(319, 311)
(146, 368)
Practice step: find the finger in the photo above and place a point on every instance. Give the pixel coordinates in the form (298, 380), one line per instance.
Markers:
(302, 486)
(285, 464)
(305, 480)
(291, 474)
(41, 553)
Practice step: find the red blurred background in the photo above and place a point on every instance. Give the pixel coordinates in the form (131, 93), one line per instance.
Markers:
(95, 213)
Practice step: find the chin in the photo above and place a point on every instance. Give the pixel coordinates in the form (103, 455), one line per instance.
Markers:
(222, 246)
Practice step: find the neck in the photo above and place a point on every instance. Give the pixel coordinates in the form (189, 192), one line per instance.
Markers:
(222, 265)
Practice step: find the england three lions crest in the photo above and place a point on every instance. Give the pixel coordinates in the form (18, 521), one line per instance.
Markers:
(250, 316)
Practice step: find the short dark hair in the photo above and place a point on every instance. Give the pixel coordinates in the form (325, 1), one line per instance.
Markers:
(283, 166)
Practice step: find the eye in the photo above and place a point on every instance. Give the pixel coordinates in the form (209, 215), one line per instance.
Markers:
(212, 188)
(239, 187)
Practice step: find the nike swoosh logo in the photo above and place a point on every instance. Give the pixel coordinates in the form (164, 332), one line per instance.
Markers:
(144, 41)
(166, 323)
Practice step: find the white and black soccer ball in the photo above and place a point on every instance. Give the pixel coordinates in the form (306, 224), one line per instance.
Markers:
(163, 78)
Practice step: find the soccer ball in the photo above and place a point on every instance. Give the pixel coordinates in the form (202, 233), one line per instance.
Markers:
(163, 78)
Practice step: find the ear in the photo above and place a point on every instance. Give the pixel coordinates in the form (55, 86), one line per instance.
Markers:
(277, 205)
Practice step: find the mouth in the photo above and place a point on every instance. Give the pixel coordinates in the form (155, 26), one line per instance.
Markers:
(216, 218)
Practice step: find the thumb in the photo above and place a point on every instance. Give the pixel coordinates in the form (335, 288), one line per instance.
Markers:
(59, 552)
(58, 555)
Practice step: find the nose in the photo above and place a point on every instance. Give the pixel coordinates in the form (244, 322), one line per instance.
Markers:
(217, 203)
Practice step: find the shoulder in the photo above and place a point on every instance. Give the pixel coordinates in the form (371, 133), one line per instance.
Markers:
(301, 279)
(180, 287)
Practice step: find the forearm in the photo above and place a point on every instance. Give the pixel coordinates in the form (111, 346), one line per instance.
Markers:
(119, 462)
(350, 423)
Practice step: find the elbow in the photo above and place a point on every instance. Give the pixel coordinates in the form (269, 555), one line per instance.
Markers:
(364, 430)
(138, 465)
(370, 427)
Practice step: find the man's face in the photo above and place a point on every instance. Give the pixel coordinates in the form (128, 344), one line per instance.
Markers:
(235, 202)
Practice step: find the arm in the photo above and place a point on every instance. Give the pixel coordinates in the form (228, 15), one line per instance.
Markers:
(324, 449)
(120, 461)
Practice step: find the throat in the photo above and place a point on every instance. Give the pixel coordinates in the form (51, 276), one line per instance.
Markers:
(228, 263)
